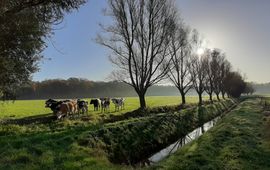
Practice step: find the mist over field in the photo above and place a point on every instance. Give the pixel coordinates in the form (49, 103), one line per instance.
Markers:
(82, 88)
(262, 89)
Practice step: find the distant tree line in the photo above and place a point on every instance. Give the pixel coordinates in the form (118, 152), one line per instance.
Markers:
(250, 89)
(72, 88)
(262, 89)
(83, 88)
(150, 43)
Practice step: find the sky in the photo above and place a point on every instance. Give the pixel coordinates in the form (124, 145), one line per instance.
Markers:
(241, 28)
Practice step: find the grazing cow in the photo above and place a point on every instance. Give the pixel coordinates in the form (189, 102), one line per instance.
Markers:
(73, 106)
(64, 110)
(105, 104)
(53, 105)
(96, 103)
(118, 103)
(82, 106)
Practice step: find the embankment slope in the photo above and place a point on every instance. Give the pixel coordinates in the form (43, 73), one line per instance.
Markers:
(239, 141)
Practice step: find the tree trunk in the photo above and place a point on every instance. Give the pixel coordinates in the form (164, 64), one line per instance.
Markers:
(142, 101)
(183, 97)
(218, 96)
(200, 99)
(223, 95)
(210, 97)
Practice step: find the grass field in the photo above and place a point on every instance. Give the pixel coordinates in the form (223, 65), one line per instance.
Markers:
(23, 108)
(239, 141)
(57, 145)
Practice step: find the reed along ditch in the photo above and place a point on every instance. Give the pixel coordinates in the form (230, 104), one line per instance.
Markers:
(135, 140)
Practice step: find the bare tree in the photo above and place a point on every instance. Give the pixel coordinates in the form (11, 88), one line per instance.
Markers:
(217, 59)
(209, 85)
(197, 66)
(226, 69)
(181, 51)
(198, 75)
(139, 38)
(249, 90)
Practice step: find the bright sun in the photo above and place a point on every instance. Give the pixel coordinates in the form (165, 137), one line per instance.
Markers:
(200, 51)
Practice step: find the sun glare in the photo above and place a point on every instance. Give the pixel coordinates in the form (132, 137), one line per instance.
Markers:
(200, 51)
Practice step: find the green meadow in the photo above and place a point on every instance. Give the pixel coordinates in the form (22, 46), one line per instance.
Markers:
(240, 140)
(24, 108)
(58, 144)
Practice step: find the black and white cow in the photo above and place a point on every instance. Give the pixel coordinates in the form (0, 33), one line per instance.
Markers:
(96, 103)
(54, 105)
(105, 104)
(82, 106)
(118, 103)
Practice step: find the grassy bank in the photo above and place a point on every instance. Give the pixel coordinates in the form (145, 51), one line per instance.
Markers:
(134, 140)
(61, 144)
(239, 141)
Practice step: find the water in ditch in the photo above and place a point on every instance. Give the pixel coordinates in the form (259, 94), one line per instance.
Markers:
(181, 142)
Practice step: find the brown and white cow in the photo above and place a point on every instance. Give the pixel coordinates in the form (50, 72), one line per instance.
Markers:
(64, 110)
(67, 108)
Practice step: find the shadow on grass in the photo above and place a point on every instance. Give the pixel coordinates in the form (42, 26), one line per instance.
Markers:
(46, 149)
(43, 119)
(38, 119)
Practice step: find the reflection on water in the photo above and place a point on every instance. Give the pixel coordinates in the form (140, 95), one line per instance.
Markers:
(183, 141)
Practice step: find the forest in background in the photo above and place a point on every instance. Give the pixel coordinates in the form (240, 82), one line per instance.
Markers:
(83, 88)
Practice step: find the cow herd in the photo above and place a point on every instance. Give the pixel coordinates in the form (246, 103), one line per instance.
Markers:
(62, 108)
